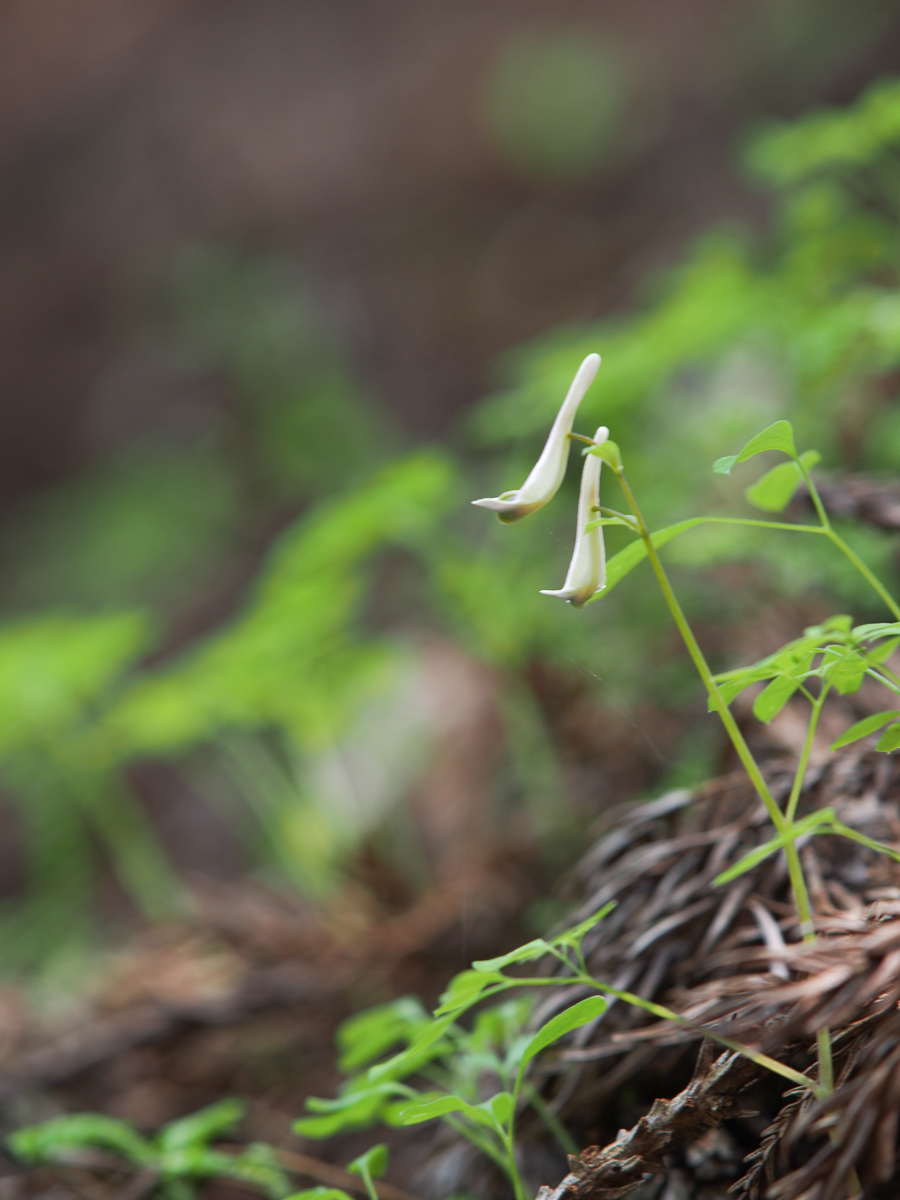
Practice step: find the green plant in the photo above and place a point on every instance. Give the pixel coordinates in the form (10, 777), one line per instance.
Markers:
(476, 1078)
(178, 1157)
(834, 656)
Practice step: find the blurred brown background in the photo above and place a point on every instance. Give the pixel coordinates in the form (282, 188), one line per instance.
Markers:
(353, 137)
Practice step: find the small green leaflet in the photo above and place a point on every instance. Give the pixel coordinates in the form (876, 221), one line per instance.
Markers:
(889, 740)
(419, 1051)
(527, 953)
(573, 1018)
(882, 653)
(574, 936)
(373, 1163)
(843, 830)
(467, 987)
(772, 699)
(811, 824)
(820, 822)
(202, 1126)
(864, 727)
(609, 452)
(319, 1193)
(442, 1106)
(626, 560)
(47, 1142)
(367, 1035)
(779, 436)
(773, 491)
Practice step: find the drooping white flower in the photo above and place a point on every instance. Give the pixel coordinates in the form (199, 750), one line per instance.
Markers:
(546, 476)
(587, 570)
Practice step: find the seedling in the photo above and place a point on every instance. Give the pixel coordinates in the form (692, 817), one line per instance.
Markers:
(178, 1158)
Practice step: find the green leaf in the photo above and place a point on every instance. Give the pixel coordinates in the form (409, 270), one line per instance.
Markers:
(809, 824)
(573, 1018)
(421, 1050)
(320, 1193)
(773, 491)
(843, 830)
(845, 669)
(466, 988)
(51, 1140)
(878, 629)
(882, 653)
(441, 1106)
(889, 740)
(257, 1165)
(500, 1107)
(201, 1127)
(779, 436)
(626, 560)
(353, 1098)
(772, 699)
(527, 953)
(864, 727)
(369, 1034)
(609, 452)
(373, 1163)
(575, 935)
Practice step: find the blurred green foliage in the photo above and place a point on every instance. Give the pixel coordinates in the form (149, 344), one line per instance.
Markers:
(802, 324)
(556, 103)
(174, 1162)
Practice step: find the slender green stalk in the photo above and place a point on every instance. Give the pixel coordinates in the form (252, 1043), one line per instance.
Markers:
(737, 738)
(803, 762)
(870, 577)
(667, 1014)
(814, 494)
(551, 1120)
(781, 821)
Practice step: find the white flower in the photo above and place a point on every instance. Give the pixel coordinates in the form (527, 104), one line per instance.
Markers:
(543, 482)
(587, 570)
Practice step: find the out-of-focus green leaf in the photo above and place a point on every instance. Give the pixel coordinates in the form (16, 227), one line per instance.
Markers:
(779, 436)
(373, 1163)
(772, 699)
(889, 740)
(203, 1126)
(53, 1140)
(573, 1018)
(773, 492)
(864, 727)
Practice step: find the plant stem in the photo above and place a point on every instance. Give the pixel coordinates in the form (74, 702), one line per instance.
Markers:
(551, 1120)
(781, 821)
(803, 762)
(687, 634)
(872, 579)
(868, 575)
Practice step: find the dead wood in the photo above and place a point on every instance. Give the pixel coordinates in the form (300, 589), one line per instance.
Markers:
(731, 958)
(641, 1151)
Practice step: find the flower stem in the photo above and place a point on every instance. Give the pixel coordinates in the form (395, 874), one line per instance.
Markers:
(693, 649)
(782, 822)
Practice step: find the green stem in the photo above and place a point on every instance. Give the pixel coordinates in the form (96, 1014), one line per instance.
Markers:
(868, 575)
(814, 495)
(725, 715)
(803, 762)
(781, 822)
(666, 1014)
(551, 1120)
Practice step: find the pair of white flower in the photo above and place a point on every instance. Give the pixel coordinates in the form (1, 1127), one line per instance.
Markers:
(587, 571)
